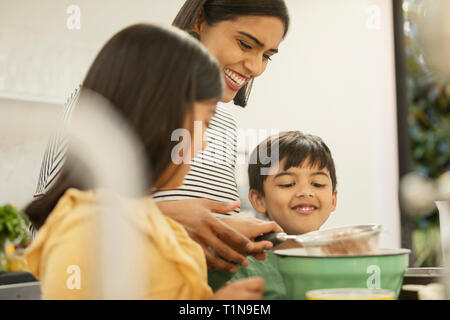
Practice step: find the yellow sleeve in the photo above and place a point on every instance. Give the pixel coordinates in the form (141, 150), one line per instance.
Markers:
(63, 254)
(166, 263)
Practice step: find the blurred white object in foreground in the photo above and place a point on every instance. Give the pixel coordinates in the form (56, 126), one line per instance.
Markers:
(432, 291)
(434, 33)
(112, 153)
(417, 194)
(444, 222)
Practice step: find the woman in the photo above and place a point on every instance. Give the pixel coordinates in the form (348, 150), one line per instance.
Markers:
(242, 35)
(158, 80)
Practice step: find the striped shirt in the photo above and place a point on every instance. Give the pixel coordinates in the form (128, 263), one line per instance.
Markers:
(212, 173)
(54, 155)
(56, 150)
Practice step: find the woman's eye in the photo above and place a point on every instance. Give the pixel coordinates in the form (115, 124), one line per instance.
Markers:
(245, 44)
(266, 57)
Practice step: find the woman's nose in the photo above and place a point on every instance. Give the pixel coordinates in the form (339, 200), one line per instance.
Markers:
(255, 65)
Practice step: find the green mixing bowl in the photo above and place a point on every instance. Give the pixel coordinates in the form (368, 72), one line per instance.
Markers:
(302, 272)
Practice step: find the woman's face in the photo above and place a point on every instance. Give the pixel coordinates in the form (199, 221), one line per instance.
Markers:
(242, 46)
(194, 126)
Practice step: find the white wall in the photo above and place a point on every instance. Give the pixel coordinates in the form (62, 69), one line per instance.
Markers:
(42, 61)
(334, 77)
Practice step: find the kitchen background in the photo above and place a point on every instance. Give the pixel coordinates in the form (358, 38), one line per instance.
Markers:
(334, 77)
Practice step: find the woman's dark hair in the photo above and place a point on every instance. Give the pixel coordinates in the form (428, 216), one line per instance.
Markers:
(295, 148)
(151, 76)
(215, 11)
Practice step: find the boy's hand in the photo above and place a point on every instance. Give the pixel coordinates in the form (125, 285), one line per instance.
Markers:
(252, 227)
(244, 289)
(211, 232)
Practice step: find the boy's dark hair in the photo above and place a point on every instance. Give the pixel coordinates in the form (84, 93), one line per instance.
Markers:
(151, 76)
(215, 11)
(295, 147)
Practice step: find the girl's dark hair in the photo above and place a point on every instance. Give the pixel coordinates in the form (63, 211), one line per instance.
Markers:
(151, 76)
(215, 11)
(295, 148)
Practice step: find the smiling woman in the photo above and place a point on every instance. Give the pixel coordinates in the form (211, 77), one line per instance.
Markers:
(152, 97)
(213, 16)
(249, 43)
(242, 35)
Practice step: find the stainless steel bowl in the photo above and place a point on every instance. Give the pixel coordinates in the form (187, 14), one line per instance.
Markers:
(349, 240)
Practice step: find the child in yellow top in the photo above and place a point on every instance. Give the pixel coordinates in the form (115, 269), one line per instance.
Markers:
(158, 80)
(64, 255)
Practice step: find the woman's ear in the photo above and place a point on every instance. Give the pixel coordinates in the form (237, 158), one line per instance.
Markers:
(334, 201)
(257, 201)
(199, 22)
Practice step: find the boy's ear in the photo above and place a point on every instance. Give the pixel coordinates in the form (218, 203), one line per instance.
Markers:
(334, 201)
(257, 201)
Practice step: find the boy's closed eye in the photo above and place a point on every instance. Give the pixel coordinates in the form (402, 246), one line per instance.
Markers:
(287, 185)
(318, 185)
(314, 184)
(285, 180)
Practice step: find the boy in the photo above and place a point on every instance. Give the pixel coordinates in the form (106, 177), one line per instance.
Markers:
(299, 193)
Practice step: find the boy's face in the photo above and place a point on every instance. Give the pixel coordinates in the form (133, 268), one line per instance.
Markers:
(299, 199)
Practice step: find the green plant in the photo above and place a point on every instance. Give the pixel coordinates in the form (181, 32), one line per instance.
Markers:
(13, 225)
(427, 244)
(429, 128)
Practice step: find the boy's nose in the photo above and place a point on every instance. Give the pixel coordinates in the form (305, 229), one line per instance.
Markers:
(305, 194)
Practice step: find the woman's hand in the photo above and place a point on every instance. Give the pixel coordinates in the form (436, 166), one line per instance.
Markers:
(252, 227)
(244, 289)
(210, 232)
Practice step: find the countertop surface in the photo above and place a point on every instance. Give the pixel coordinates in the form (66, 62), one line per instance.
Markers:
(15, 277)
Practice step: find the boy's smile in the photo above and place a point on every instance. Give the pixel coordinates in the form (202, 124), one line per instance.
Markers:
(299, 199)
(304, 208)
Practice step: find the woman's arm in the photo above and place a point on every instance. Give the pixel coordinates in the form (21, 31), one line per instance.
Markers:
(229, 237)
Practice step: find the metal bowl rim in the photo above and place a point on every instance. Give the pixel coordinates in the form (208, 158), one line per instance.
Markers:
(381, 253)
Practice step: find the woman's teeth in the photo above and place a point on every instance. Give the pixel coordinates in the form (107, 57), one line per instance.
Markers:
(237, 79)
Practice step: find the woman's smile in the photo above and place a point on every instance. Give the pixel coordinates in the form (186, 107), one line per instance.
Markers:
(234, 80)
(242, 46)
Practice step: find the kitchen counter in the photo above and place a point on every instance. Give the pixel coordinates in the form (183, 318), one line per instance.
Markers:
(419, 276)
(19, 286)
(15, 277)
(23, 285)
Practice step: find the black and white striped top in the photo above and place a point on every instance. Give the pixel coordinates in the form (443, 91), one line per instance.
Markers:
(212, 173)
(56, 149)
(54, 155)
